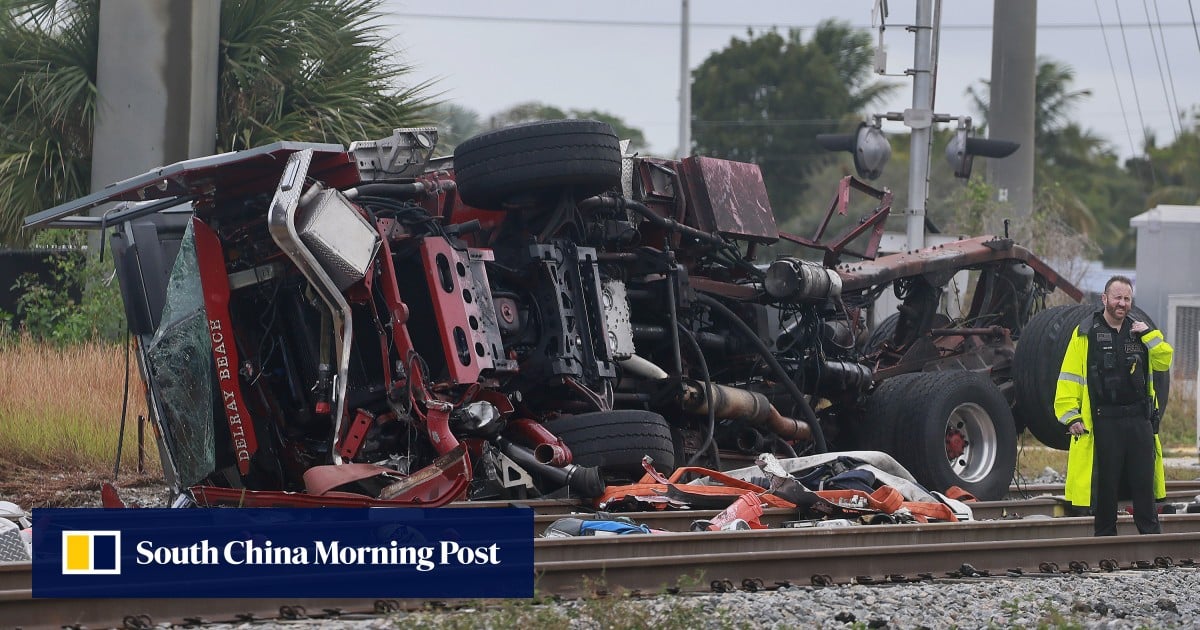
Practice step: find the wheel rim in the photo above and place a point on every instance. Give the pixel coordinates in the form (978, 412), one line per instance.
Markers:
(970, 442)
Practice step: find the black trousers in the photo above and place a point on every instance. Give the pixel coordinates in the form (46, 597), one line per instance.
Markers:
(1124, 449)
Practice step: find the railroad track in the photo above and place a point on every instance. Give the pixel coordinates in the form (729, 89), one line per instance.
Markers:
(745, 560)
(1049, 504)
(866, 554)
(1004, 537)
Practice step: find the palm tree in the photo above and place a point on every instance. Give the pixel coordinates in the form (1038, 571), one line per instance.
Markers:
(1078, 176)
(48, 87)
(1176, 167)
(1062, 149)
(308, 70)
(1053, 102)
(314, 70)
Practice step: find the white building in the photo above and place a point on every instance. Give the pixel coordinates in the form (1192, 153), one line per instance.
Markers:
(1168, 277)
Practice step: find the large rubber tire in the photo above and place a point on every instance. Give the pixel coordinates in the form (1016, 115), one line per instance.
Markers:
(881, 333)
(616, 440)
(944, 410)
(886, 330)
(886, 409)
(578, 156)
(1038, 361)
(1036, 365)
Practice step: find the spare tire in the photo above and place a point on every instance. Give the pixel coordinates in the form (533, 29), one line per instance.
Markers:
(886, 331)
(615, 441)
(1038, 361)
(582, 157)
(881, 333)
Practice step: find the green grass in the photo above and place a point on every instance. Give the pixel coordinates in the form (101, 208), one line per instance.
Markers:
(62, 405)
(1178, 430)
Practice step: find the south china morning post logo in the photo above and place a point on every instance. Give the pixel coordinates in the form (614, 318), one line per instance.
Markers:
(284, 552)
(91, 552)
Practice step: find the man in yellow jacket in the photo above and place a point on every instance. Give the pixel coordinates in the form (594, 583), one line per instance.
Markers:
(1105, 398)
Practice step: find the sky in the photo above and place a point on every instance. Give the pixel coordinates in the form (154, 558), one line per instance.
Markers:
(623, 57)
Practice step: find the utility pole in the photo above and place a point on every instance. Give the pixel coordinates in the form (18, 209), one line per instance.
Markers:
(156, 79)
(920, 120)
(685, 87)
(870, 146)
(1011, 106)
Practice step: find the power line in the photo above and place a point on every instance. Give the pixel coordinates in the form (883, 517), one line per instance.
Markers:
(726, 25)
(773, 122)
(1136, 100)
(1116, 83)
(1132, 78)
(1170, 75)
(1161, 78)
(1194, 29)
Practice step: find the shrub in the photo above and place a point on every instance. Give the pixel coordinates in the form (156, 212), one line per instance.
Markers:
(48, 311)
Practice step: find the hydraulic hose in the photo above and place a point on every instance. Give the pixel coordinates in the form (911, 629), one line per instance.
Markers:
(621, 203)
(765, 352)
(710, 411)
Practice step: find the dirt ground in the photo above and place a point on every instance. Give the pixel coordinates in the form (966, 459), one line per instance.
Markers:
(44, 485)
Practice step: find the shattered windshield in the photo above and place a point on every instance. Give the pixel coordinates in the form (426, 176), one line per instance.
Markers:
(180, 362)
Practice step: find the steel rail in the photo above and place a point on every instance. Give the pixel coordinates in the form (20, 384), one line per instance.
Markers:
(1175, 490)
(681, 520)
(648, 563)
(1057, 488)
(753, 542)
(862, 564)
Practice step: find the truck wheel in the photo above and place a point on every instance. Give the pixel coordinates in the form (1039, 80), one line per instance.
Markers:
(886, 330)
(1036, 365)
(958, 431)
(616, 440)
(886, 409)
(1038, 360)
(881, 333)
(580, 156)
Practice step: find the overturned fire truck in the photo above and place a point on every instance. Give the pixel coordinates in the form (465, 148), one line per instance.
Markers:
(533, 317)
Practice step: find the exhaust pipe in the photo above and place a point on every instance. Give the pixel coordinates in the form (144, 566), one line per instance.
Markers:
(547, 448)
(584, 481)
(752, 408)
(748, 440)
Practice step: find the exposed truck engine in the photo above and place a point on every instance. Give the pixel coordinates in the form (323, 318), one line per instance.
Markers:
(535, 316)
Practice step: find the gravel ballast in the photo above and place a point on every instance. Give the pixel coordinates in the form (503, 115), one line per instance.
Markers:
(1158, 598)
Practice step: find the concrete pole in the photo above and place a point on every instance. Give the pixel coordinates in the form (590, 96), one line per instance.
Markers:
(685, 87)
(920, 119)
(157, 82)
(1011, 110)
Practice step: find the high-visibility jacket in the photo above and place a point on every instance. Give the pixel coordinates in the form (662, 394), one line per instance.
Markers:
(1072, 401)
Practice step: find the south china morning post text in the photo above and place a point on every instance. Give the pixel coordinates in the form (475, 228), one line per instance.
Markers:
(332, 552)
(283, 552)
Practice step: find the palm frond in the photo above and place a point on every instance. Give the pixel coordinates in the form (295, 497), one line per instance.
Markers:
(319, 70)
